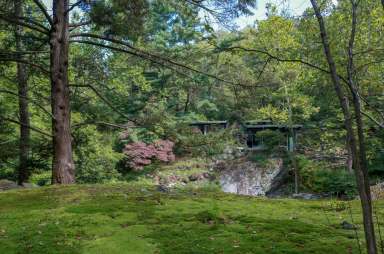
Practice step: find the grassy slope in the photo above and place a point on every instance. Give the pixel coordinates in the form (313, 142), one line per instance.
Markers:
(131, 219)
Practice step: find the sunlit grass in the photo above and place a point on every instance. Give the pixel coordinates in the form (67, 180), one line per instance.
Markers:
(123, 218)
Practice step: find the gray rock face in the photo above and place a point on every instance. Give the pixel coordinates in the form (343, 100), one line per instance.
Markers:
(306, 196)
(7, 185)
(249, 178)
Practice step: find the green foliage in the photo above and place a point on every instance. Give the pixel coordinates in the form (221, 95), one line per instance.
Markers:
(95, 159)
(317, 178)
(272, 140)
(259, 157)
(41, 178)
(194, 143)
(113, 16)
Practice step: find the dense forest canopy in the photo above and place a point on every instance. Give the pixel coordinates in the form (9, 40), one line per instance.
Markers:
(84, 85)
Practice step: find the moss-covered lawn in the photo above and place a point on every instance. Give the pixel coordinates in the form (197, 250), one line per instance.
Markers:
(109, 219)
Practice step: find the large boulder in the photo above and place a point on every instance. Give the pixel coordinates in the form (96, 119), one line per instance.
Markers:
(250, 178)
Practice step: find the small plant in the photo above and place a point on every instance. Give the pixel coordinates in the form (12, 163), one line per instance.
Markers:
(41, 179)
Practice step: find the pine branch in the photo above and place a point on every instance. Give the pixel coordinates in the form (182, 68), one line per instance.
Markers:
(26, 125)
(106, 101)
(151, 56)
(24, 24)
(37, 66)
(28, 99)
(44, 11)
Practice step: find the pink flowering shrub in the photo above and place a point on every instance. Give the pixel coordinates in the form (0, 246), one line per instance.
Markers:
(141, 154)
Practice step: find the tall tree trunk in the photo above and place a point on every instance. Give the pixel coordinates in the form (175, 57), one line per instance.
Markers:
(22, 81)
(63, 168)
(291, 141)
(349, 162)
(360, 133)
(360, 170)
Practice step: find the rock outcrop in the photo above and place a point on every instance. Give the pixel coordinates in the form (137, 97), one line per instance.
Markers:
(245, 177)
(9, 185)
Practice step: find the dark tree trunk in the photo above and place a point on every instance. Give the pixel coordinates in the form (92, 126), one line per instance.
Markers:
(63, 168)
(367, 206)
(359, 160)
(22, 81)
(186, 105)
(349, 162)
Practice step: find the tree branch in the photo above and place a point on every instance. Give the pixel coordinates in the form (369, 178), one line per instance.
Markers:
(25, 62)
(106, 101)
(117, 126)
(381, 125)
(150, 56)
(282, 59)
(73, 6)
(28, 99)
(26, 125)
(25, 24)
(44, 11)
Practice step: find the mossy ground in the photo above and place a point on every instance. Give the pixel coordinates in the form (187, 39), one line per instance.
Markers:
(123, 218)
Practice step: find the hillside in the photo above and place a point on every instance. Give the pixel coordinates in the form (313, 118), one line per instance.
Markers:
(122, 218)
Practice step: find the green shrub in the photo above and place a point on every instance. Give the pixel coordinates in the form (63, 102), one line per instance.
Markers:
(41, 178)
(95, 159)
(259, 157)
(272, 140)
(317, 178)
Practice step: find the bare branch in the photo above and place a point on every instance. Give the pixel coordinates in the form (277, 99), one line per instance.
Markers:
(44, 11)
(74, 6)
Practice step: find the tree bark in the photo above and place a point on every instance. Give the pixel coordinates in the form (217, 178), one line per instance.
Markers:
(367, 206)
(349, 162)
(22, 81)
(63, 168)
(358, 160)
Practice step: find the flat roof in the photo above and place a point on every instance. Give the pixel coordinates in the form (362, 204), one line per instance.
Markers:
(208, 122)
(270, 126)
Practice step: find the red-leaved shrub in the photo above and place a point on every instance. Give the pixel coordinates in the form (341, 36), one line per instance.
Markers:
(141, 154)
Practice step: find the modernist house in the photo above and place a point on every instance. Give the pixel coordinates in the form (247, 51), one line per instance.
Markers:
(254, 142)
(208, 126)
(251, 129)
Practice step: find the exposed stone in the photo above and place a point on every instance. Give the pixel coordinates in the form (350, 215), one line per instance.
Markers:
(348, 226)
(8, 185)
(306, 196)
(377, 191)
(194, 177)
(29, 185)
(249, 178)
(163, 188)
